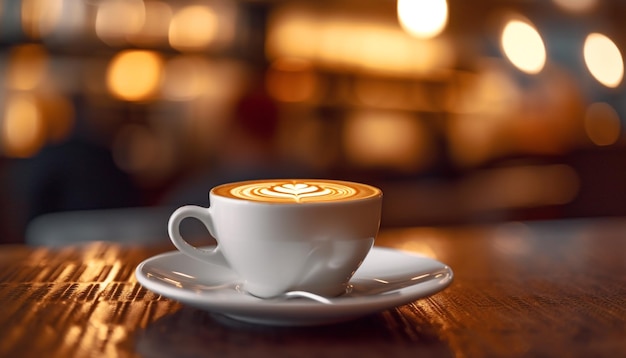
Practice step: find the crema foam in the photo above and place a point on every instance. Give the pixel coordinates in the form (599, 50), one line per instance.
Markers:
(296, 191)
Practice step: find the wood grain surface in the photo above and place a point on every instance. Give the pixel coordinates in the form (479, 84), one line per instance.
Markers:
(543, 289)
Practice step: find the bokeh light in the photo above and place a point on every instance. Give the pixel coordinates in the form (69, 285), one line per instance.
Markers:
(27, 67)
(423, 18)
(40, 17)
(134, 75)
(604, 60)
(292, 32)
(481, 114)
(576, 6)
(393, 86)
(116, 20)
(193, 28)
(185, 77)
(523, 46)
(23, 131)
(154, 30)
(344, 42)
(386, 139)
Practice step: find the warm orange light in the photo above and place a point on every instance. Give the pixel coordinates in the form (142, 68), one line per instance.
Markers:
(523, 46)
(118, 19)
(40, 17)
(346, 42)
(385, 49)
(292, 33)
(22, 127)
(602, 124)
(385, 94)
(58, 114)
(577, 6)
(481, 113)
(423, 18)
(386, 139)
(193, 28)
(604, 60)
(291, 80)
(27, 67)
(520, 187)
(134, 75)
(185, 78)
(156, 25)
(418, 240)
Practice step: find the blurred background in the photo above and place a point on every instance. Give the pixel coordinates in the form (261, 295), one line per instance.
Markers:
(461, 111)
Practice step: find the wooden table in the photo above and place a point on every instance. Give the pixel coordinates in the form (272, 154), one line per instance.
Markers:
(554, 289)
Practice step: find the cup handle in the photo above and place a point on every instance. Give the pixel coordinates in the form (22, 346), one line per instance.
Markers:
(173, 227)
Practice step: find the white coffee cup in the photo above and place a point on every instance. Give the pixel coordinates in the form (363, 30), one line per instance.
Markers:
(287, 235)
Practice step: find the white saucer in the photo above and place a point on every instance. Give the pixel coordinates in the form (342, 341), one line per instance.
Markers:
(386, 279)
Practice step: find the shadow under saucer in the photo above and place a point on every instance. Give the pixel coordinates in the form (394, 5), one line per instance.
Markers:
(191, 332)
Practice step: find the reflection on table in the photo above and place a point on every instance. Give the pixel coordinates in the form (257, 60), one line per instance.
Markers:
(531, 289)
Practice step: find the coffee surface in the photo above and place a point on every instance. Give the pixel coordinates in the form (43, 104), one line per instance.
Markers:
(296, 191)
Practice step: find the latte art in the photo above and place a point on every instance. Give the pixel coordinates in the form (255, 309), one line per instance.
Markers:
(296, 191)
